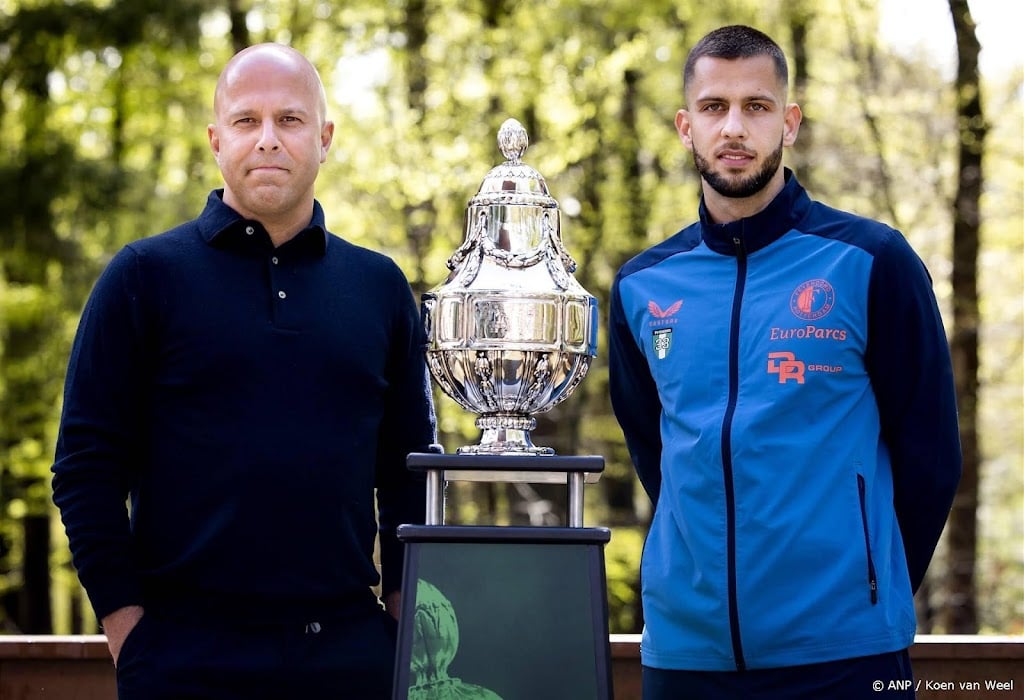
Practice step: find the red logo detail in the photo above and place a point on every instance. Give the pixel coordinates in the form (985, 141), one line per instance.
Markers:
(658, 312)
(812, 300)
(786, 366)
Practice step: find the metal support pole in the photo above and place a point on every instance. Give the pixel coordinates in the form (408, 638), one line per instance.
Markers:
(575, 481)
(435, 497)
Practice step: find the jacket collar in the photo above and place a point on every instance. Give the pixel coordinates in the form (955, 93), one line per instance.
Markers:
(766, 226)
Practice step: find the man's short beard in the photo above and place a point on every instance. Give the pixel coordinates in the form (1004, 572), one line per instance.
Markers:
(743, 188)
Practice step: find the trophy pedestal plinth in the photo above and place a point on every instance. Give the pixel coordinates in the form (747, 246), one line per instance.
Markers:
(504, 612)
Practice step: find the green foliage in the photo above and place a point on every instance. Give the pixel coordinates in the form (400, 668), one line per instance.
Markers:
(103, 110)
(63, 106)
(622, 562)
(1001, 498)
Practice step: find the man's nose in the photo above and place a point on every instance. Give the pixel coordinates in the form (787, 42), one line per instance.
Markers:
(268, 137)
(734, 125)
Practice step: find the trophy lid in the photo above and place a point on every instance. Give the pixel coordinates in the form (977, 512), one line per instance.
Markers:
(513, 182)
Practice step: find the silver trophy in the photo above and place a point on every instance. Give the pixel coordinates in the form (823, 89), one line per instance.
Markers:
(510, 333)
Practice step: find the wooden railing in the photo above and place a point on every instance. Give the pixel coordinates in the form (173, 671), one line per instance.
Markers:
(945, 668)
(56, 668)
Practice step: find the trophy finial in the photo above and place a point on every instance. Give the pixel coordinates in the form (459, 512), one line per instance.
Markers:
(512, 140)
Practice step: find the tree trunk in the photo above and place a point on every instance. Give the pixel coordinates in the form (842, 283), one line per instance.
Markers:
(239, 30)
(800, 17)
(35, 615)
(959, 613)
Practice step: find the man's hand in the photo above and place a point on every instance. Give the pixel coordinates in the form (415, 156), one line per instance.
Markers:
(393, 603)
(118, 624)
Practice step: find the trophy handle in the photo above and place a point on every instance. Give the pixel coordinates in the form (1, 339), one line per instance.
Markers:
(475, 233)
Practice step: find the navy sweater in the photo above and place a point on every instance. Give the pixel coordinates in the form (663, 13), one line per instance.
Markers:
(249, 400)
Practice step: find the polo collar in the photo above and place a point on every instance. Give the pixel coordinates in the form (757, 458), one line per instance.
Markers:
(221, 226)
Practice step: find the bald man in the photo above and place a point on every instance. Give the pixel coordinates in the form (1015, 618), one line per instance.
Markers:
(249, 383)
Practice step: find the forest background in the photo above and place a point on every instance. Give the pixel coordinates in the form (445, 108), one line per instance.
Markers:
(103, 111)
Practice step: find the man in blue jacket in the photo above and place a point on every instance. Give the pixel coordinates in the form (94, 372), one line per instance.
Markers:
(250, 382)
(783, 380)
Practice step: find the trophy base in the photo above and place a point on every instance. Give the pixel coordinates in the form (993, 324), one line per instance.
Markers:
(505, 435)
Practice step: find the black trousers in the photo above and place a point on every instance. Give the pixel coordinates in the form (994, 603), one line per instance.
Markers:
(881, 677)
(180, 658)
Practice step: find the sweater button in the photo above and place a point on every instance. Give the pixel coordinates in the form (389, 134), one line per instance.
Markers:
(282, 295)
(249, 230)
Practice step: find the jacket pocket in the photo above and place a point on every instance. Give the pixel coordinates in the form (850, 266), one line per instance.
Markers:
(872, 579)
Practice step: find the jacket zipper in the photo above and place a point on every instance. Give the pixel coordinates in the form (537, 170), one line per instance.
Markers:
(872, 579)
(730, 497)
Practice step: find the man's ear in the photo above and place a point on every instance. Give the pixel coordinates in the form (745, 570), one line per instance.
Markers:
(683, 128)
(792, 118)
(211, 135)
(326, 138)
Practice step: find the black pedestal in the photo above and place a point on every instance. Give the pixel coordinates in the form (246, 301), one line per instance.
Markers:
(504, 613)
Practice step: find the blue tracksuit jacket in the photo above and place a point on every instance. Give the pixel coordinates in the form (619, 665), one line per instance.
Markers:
(782, 382)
